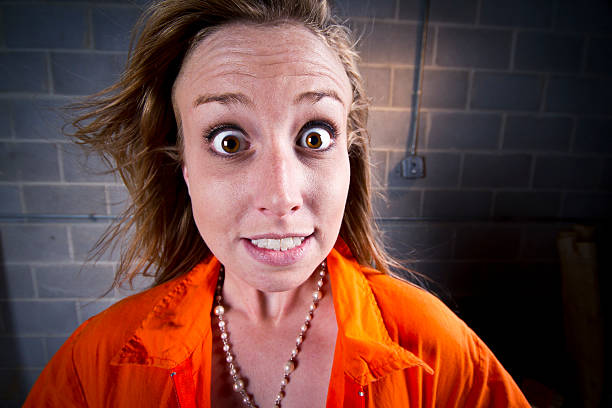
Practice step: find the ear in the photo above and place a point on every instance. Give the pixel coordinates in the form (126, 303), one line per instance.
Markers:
(186, 176)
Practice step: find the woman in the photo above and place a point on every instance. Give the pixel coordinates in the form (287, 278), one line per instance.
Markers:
(238, 128)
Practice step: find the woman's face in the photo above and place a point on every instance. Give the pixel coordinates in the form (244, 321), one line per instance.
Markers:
(264, 117)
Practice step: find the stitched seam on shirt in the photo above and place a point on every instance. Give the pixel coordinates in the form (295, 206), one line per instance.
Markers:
(76, 373)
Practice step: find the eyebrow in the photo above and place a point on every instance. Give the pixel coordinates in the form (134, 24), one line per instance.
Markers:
(240, 98)
(224, 99)
(316, 96)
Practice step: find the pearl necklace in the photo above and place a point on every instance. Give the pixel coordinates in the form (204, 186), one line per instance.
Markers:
(238, 380)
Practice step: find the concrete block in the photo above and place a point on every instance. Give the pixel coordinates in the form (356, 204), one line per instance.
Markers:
(39, 118)
(84, 238)
(68, 281)
(16, 352)
(527, 204)
(469, 47)
(457, 203)
(79, 166)
(112, 27)
(398, 203)
(23, 71)
(391, 43)
(548, 52)
(119, 199)
(28, 162)
(391, 129)
(378, 168)
(10, 203)
(441, 88)
(85, 73)
(496, 170)
(517, 13)
(418, 242)
(587, 205)
(54, 344)
(540, 242)
(15, 385)
(579, 95)
(388, 129)
(378, 84)
(527, 132)
(506, 91)
(590, 16)
(441, 170)
(464, 131)
(593, 136)
(487, 242)
(56, 26)
(365, 8)
(40, 317)
(69, 199)
(6, 110)
(567, 172)
(453, 11)
(89, 309)
(599, 55)
(34, 243)
(16, 282)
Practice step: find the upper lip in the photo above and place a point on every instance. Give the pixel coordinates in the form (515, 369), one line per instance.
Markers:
(279, 236)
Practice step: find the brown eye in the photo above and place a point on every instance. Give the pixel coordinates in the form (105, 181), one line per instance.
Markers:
(230, 144)
(229, 141)
(313, 140)
(316, 138)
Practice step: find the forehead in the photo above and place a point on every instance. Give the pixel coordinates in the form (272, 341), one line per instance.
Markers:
(242, 54)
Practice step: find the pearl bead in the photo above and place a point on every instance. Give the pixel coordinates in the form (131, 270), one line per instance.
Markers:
(229, 358)
(308, 317)
(246, 400)
(289, 367)
(303, 328)
(219, 310)
(285, 381)
(280, 395)
(221, 323)
(320, 283)
(233, 372)
(294, 352)
(223, 336)
(313, 306)
(226, 347)
(316, 296)
(238, 385)
(299, 340)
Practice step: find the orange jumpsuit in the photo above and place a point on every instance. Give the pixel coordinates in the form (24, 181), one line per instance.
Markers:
(397, 346)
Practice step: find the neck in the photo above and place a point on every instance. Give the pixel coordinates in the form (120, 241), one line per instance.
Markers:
(263, 307)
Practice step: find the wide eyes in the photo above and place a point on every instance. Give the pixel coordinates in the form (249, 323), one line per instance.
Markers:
(316, 137)
(229, 141)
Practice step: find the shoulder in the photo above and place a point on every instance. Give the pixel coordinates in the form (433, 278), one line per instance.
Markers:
(105, 333)
(419, 321)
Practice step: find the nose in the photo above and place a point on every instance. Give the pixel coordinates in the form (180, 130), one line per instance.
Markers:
(278, 183)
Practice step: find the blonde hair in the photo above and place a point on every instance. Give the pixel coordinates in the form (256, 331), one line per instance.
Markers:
(132, 125)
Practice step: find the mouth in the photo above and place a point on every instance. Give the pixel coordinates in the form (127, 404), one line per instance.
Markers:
(277, 249)
(280, 244)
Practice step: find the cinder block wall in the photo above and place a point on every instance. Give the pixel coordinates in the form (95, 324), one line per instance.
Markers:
(516, 122)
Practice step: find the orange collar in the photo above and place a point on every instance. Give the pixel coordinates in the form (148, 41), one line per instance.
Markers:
(180, 321)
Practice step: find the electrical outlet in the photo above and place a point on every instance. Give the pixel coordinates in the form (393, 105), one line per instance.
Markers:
(413, 167)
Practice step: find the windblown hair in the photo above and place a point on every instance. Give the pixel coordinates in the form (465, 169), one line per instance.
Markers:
(132, 125)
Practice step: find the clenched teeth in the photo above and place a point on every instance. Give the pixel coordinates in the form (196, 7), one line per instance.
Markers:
(278, 244)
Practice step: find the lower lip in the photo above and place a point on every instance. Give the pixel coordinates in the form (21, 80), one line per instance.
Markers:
(277, 258)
